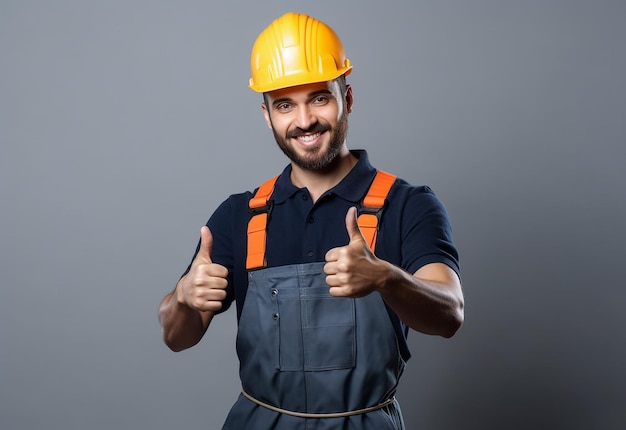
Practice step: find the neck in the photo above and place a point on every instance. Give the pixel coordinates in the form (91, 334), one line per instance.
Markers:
(320, 181)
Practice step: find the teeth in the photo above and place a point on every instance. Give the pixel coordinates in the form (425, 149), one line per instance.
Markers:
(308, 138)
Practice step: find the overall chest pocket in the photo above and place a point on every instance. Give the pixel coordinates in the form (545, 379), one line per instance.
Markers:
(314, 331)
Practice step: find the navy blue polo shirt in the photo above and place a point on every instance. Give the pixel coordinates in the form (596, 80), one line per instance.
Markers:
(414, 229)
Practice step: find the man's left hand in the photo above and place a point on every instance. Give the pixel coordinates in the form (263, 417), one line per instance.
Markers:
(353, 270)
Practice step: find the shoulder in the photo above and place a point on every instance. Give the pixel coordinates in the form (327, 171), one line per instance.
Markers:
(235, 207)
(418, 199)
(233, 204)
(416, 228)
(402, 187)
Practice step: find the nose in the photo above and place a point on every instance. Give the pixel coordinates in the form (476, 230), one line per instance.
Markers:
(304, 117)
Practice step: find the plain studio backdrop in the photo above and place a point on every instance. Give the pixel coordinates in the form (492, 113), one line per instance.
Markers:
(123, 124)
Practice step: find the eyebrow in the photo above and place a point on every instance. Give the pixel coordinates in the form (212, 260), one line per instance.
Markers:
(310, 96)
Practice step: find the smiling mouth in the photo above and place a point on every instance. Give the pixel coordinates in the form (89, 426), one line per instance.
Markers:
(308, 138)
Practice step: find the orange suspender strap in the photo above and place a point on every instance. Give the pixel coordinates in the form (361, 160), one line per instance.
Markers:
(372, 206)
(260, 206)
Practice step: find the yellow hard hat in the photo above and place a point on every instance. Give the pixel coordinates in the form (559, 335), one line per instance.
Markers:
(296, 49)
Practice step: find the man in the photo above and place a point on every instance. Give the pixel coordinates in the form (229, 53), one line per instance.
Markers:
(322, 319)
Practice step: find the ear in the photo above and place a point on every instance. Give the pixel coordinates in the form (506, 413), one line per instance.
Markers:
(349, 98)
(266, 114)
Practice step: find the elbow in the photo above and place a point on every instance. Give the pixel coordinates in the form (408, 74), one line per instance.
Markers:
(175, 344)
(170, 341)
(457, 316)
(175, 348)
(454, 321)
(173, 338)
(452, 327)
(178, 337)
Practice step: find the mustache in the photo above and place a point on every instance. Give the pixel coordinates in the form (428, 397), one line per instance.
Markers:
(315, 128)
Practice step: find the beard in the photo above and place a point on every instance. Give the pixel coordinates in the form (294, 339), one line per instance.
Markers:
(315, 158)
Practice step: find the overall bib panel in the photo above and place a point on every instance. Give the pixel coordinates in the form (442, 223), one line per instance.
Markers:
(302, 350)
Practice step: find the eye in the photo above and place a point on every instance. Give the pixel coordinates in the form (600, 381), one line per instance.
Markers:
(283, 107)
(320, 100)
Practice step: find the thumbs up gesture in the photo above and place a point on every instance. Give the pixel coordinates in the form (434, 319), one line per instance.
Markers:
(353, 270)
(204, 287)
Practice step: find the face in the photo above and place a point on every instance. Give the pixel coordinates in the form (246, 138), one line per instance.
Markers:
(310, 122)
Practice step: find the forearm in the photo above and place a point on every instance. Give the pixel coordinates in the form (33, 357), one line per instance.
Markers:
(181, 326)
(430, 301)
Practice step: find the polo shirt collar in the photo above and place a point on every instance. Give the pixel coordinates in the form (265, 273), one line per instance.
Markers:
(351, 188)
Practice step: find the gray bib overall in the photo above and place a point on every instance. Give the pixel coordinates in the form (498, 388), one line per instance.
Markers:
(302, 350)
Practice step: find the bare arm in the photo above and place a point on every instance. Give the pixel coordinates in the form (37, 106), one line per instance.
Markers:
(181, 326)
(185, 313)
(429, 301)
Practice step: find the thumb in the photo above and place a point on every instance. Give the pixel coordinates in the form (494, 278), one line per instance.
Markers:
(206, 244)
(352, 225)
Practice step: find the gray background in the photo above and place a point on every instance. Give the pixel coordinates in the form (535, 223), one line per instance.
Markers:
(124, 123)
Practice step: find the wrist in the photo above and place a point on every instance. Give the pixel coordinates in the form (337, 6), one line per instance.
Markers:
(388, 277)
(178, 293)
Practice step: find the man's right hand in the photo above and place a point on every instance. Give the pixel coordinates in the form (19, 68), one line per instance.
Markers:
(204, 287)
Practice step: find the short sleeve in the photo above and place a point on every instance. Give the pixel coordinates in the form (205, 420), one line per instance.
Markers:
(426, 232)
